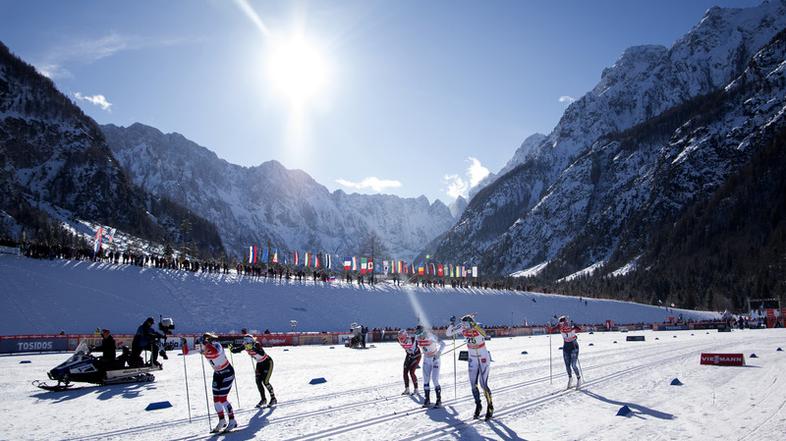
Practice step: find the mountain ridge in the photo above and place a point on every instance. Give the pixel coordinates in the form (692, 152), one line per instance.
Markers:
(286, 208)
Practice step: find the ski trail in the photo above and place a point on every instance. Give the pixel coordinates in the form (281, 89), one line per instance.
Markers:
(360, 404)
(498, 392)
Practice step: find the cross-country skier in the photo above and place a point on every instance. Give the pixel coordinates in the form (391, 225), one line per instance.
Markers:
(479, 361)
(570, 349)
(264, 368)
(223, 376)
(432, 348)
(411, 360)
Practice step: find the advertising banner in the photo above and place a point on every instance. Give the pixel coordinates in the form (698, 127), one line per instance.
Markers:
(316, 339)
(277, 339)
(43, 343)
(344, 338)
(723, 359)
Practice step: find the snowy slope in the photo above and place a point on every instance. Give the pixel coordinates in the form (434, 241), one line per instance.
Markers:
(269, 203)
(361, 399)
(77, 296)
(53, 156)
(595, 177)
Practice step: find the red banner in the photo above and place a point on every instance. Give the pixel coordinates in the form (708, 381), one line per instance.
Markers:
(723, 359)
(276, 339)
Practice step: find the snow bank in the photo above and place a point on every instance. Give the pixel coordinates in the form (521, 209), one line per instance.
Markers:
(42, 296)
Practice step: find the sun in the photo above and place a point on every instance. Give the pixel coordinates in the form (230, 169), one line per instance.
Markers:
(297, 69)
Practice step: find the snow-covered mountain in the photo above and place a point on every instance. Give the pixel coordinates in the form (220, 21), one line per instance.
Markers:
(458, 206)
(519, 156)
(54, 160)
(663, 128)
(271, 204)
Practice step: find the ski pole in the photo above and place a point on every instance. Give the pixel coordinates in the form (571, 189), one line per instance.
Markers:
(580, 369)
(207, 402)
(452, 350)
(237, 384)
(454, 367)
(550, 382)
(185, 376)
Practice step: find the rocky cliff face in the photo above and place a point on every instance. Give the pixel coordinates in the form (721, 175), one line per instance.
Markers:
(53, 155)
(663, 127)
(271, 204)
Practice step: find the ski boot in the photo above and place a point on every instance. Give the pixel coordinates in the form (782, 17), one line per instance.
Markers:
(261, 403)
(406, 391)
(578, 383)
(478, 408)
(273, 402)
(427, 401)
(570, 383)
(230, 426)
(438, 404)
(220, 426)
(415, 390)
(489, 411)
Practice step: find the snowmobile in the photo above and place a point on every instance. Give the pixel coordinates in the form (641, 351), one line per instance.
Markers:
(82, 367)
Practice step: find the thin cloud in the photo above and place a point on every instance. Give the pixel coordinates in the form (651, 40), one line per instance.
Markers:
(54, 63)
(97, 100)
(566, 99)
(476, 171)
(457, 185)
(371, 182)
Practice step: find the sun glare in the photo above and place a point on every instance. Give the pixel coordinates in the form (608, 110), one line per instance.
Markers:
(297, 69)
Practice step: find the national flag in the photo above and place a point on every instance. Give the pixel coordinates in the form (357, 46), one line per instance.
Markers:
(347, 264)
(316, 260)
(307, 259)
(250, 254)
(354, 263)
(433, 269)
(440, 270)
(265, 254)
(421, 269)
(363, 263)
(295, 259)
(370, 265)
(329, 261)
(385, 267)
(474, 272)
(112, 234)
(275, 255)
(97, 245)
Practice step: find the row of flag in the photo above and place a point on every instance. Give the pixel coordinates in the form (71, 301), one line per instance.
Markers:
(100, 233)
(362, 265)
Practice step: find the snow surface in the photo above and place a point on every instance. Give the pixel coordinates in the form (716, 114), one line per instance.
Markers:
(583, 272)
(46, 296)
(531, 271)
(361, 400)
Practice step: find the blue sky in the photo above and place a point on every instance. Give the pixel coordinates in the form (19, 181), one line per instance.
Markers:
(412, 96)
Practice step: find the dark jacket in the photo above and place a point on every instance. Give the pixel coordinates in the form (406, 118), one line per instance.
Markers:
(108, 348)
(145, 335)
